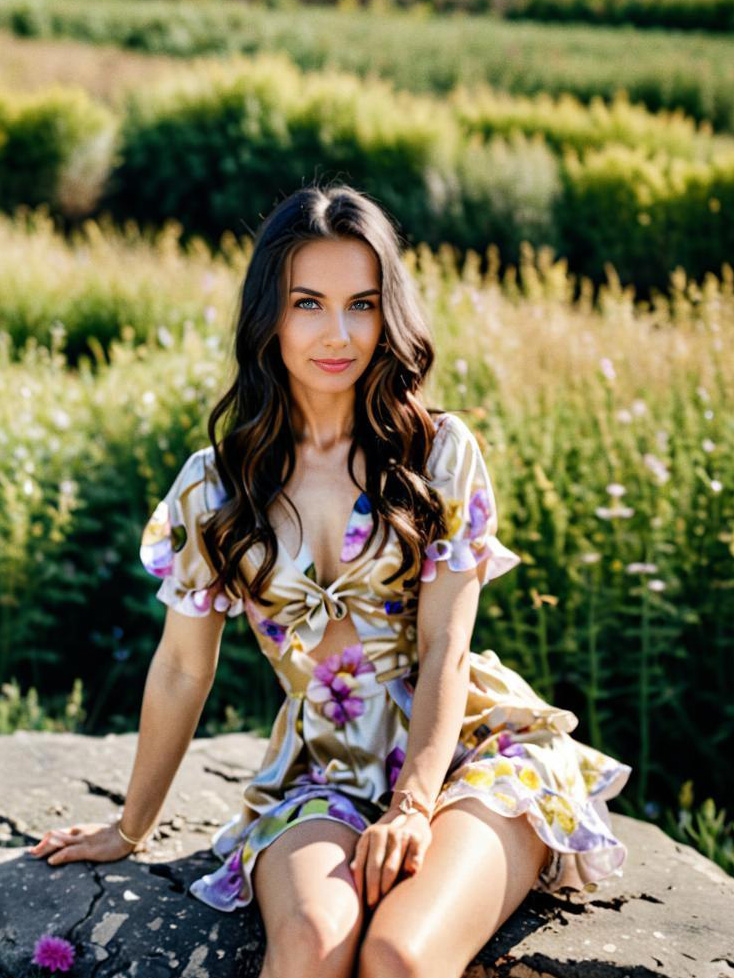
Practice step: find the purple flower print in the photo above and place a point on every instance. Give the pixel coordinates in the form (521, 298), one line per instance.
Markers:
(334, 682)
(507, 748)
(358, 528)
(314, 775)
(479, 514)
(266, 626)
(226, 882)
(393, 765)
(54, 953)
(345, 810)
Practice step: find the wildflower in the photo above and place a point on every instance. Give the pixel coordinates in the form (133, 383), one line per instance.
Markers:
(615, 489)
(54, 953)
(590, 558)
(657, 467)
(607, 513)
(708, 414)
(716, 486)
(641, 568)
(639, 408)
(461, 367)
(707, 445)
(656, 585)
(624, 416)
(607, 368)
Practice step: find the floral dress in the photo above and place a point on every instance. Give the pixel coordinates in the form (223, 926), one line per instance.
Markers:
(340, 736)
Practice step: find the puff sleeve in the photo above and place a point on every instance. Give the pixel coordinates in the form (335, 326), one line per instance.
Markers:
(459, 474)
(171, 546)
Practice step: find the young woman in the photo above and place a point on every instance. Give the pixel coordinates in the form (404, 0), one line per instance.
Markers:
(413, 791)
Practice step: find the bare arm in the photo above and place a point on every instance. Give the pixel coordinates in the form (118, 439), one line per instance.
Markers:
(446, 613)
(179, 680)
(178, 683)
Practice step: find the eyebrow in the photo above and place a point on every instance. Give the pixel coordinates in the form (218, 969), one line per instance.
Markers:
(357, 295)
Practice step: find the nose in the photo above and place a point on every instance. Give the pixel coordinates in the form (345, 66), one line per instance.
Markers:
(337, 334)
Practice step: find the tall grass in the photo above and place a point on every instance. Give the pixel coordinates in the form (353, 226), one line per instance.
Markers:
(606, 428)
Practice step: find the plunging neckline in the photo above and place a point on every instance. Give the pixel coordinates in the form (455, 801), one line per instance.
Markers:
(305, 549)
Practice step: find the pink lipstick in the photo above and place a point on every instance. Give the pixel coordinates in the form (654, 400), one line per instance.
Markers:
(333, 366)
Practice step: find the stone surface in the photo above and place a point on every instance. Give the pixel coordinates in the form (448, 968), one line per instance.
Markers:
(671, 914)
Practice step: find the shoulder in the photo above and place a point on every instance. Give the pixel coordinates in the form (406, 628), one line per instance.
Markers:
(199, 475)
(453, 440)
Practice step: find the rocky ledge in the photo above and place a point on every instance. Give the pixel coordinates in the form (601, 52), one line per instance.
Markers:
(669, 915)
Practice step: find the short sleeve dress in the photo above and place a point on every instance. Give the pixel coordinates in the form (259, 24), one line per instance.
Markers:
(340, 736)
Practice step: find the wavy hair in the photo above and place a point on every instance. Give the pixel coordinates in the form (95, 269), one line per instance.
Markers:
(256, 455)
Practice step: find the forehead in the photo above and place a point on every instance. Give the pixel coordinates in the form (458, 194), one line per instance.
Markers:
(346, 264)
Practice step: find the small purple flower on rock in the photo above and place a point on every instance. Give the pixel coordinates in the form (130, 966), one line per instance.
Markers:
(54, 953)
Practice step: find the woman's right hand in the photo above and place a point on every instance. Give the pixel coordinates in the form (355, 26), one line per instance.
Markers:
(98, 842)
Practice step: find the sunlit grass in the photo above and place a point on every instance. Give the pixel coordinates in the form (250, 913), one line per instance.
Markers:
(606, 428)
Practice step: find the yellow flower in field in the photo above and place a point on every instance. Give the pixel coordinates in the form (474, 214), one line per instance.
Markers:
(529, 777)
(507, 800)
(479, 778)
(503, 767)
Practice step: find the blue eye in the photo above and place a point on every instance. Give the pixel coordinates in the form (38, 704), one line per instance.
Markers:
(369, 305)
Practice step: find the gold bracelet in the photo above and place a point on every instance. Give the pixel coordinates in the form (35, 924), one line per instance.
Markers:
(409, 805)
(127, 837)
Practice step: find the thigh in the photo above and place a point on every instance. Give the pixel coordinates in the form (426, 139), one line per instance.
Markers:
(306, 894)
(478, 868)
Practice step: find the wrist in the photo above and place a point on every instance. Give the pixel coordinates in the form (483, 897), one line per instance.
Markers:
(406, 802)
(128, 837)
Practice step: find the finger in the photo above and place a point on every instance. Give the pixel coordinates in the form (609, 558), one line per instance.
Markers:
(49, 843)
(357, 867)
(373, 868)
(414, 855)
(69, 854)
(393, 861)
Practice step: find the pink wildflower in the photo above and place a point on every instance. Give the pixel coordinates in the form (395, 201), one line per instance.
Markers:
(54, 953)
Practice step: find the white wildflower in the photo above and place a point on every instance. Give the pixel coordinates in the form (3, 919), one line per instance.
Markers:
(707, 445)
(461, 367)
(607, 368)
(639, 408)
(657, 467)
(607, 513)
(716, 486)
(656, 584)
(641, 568)
(624, 416)
(615, 489)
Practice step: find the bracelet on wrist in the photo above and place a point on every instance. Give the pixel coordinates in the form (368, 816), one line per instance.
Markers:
(409, 805)
(127, 837)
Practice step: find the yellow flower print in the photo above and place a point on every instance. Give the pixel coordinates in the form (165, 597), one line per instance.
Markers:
(507, 800)
(453, 513)
(529, 777)
(479, 778)
(503, 767)
(554, 807)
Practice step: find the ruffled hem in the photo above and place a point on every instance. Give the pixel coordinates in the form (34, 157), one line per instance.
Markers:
(462, 555)
(583, 846)
(238, 842)
(195, 603)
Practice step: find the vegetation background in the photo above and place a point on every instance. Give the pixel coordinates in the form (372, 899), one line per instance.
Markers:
(563, 173)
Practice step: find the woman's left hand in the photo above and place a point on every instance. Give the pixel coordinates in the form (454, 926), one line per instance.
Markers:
(394, 840)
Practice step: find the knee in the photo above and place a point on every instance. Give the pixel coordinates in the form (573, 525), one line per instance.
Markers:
(386, 954)
(313, 941)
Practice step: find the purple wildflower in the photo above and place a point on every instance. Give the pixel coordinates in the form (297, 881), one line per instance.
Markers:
(54, 953)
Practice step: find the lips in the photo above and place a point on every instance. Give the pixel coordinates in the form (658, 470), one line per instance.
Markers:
(333, 366)
(334, 363)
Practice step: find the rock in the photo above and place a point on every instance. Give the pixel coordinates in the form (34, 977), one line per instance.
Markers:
(669, 915)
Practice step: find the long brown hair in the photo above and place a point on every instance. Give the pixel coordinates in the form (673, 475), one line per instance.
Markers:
(256, 455)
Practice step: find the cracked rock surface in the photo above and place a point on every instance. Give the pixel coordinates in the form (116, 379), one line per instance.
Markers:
(669, 915)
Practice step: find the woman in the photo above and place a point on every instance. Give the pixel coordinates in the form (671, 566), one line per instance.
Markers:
(412, 791)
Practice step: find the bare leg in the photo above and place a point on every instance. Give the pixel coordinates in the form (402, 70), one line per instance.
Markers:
(308, 902)
(478, 868)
